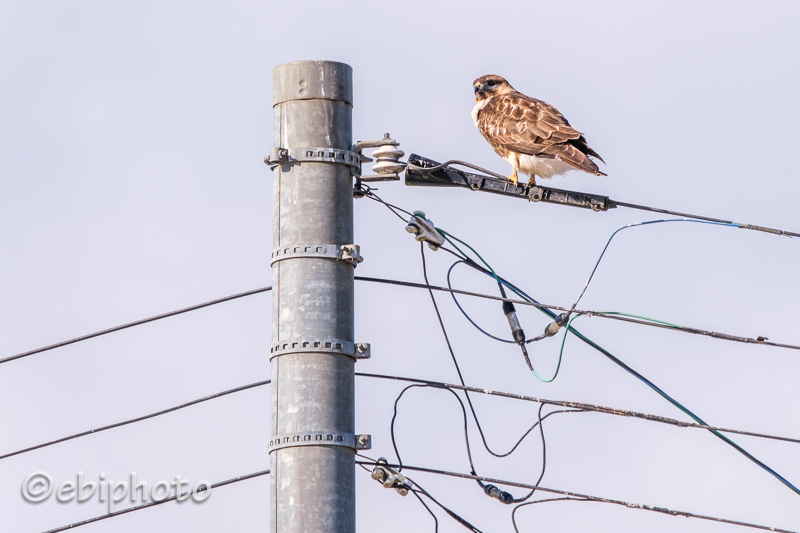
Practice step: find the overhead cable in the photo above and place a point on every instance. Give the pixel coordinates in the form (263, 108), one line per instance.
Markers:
(138, 419)
(557, 322)
(577, 405)
(423, 174)
(135, 323)
(629, 505)
(602, 314)
(638, 224)
(152, 504)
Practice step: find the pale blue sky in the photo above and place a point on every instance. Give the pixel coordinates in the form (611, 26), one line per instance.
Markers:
(132, 183)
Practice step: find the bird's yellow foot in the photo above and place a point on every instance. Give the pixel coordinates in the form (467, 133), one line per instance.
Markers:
(532, 181)
(514, 178)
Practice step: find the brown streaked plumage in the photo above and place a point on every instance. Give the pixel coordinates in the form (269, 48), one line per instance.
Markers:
(530, 134)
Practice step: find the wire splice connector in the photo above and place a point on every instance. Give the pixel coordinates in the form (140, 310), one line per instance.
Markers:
(556, 325)
(494, 492)
(425, 231)
(516, 329)
(390, 478)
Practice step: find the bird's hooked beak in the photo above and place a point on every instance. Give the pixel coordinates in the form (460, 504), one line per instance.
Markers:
(479, 93)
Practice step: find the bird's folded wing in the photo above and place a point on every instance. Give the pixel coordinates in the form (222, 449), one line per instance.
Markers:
(524, 124)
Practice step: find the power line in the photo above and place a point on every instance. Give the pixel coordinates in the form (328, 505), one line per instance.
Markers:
(151, 504)
(496, 183)
(601, 314)
(421, 490)
(138, 419)
(594, 345)
(577, 405)
(629, 505)
(136, 323)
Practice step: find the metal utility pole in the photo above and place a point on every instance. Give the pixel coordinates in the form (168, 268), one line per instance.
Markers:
(313, 350)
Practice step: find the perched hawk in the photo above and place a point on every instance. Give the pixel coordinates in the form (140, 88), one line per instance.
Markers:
(530, 134)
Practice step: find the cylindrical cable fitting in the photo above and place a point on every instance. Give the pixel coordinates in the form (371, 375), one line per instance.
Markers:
(495, 492)
(556, 325)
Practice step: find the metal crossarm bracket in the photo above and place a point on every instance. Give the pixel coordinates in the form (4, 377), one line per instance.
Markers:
(349, 253)
(320, 438)
(356, 350)
(448, 176)
(291, 156)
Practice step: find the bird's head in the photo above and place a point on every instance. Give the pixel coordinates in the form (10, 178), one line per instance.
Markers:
(490, 85)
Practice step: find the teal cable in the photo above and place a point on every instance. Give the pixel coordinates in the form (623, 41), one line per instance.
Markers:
(617, 361)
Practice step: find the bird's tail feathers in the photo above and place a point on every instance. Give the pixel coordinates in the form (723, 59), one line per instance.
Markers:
(575, 158)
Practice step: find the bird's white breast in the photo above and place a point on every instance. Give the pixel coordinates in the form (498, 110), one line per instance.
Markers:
(542, 166)
(477, 109)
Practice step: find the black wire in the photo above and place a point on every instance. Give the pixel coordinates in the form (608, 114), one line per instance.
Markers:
(575, 408)
(513, 520)
(629, 505)
(710, 219)
(546, 307)
(394, 418)
(544, 459)
(435, 520)
(138, 419)
(151, 504)
(393, 208)
(461, 378)
(578, 406)
(450, 286)
(452, 514)
(457, 162)
(136, 323)
(612, 203)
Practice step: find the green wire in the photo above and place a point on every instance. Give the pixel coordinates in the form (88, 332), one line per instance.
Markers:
(448, 237)
(560, 354)
(608, 354)
(639, 316)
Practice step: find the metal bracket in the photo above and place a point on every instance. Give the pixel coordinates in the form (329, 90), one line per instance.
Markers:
(424, 230)
(320, 438)
(390, 478)
(448, 177)
(389, 166)
(292, 156)
(349, 253)
(356, 350)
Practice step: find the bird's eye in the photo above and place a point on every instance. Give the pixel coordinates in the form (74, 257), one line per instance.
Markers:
(490, 83)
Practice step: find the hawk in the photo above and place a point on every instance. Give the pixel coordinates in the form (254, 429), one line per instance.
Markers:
(530, 134)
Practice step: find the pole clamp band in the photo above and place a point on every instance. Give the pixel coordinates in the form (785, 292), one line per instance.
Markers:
(320, 438)
(349, 253)
(292, 156)
(356, 350)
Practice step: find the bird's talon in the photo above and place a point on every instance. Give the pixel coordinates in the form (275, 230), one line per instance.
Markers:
(514, 178)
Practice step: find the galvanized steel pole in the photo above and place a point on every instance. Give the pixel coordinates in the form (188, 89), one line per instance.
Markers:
(312, 354)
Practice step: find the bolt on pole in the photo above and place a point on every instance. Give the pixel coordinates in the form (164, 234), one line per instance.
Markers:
(312, 355)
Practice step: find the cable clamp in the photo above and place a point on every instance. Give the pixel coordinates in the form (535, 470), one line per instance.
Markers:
(320, 438)
(287, 157)
(390, 478)
(356, 350)
(349, 253)
(424, 230)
